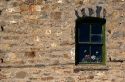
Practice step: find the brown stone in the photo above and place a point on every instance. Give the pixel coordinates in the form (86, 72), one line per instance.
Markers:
(56, 62)
(15, 4)
(90, 77)
(30, 54)
(78, 2)
(66, 56)
(47, 78)
(67, 72)
(2, 76)
(32, 9)
(30, 2)
(21, 74)
(39, 2)
(24, 7)
(1, 60)
(10, 57)
(50, 78)
(56, 15)
(117, 0)
(82, 78)
(43, 78)
(69, 79)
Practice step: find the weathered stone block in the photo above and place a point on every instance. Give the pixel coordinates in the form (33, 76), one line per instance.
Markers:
(24, 8)
(2, 76)
(38, 8)
(10, 58)
(69, 79)
(56, 15)
(21, 75)
(30, 54)
(39, 2)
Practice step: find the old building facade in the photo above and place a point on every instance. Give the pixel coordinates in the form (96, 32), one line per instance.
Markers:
(37, 41)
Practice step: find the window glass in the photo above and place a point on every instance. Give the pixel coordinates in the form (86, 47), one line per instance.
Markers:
(96, 28)
(96, 53)
(84, 52)
(84, 32)
(96, 38)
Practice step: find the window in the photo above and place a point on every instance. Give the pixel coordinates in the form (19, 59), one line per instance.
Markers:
(90, 40)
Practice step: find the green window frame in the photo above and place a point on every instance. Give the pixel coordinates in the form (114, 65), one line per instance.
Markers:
(90, 48)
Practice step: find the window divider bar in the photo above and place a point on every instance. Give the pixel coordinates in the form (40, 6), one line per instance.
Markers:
(90, 39)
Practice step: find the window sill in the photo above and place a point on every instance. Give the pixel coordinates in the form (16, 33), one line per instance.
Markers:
(90, 67)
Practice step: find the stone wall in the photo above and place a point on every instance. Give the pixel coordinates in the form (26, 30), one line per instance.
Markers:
(37, 41)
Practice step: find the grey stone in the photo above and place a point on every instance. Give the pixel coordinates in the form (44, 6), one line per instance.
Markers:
(118, 34)
(30, 54)
(21, 74)
(15, 4)
(104, 13)
(91, 11)
(98, 10)
(83, 12)
(44, 15)
(2, 23)
(69, 79)
(76, 13)
(30, 1)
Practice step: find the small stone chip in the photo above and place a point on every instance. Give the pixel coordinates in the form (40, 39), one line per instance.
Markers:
(53, 45)
(48, 31)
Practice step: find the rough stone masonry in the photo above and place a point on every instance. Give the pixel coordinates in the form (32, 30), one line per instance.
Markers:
(37, 41)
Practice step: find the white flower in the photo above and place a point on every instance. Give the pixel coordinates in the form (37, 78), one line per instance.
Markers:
(93, 57)
(85, 51)
(97, 52)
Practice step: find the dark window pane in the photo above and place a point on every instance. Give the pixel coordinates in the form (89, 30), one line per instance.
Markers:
(96, 29)
(96, 38)
(84, 32)
(96, 53)
(84, 53)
